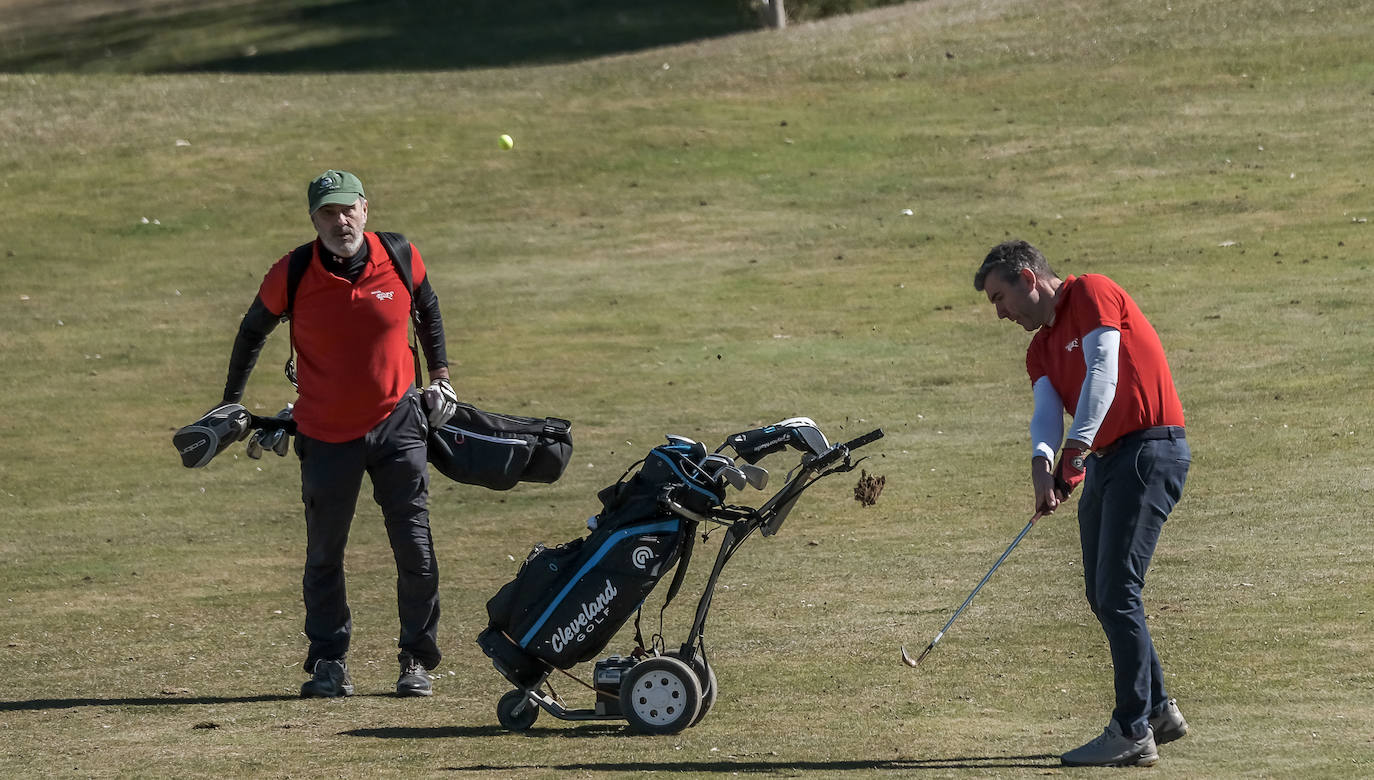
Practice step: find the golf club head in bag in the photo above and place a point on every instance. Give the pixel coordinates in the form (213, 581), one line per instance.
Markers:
(274, 438)
(199, 442)
(798, 432)
(696, 450)
(756, 476)
(722, 469)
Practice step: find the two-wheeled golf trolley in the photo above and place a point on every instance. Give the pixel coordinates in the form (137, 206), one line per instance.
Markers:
(567, 602)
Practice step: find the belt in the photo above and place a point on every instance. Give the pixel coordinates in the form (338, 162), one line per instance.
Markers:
(1170, 432)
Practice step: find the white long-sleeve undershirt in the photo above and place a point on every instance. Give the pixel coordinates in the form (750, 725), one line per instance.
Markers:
(1101, 352)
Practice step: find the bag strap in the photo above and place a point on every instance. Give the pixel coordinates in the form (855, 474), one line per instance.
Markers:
(398, 248)
(679, 574)
(295, 271)
(296, 267)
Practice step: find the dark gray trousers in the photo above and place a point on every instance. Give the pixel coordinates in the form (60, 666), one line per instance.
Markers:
(1126, 498)
(394, 455)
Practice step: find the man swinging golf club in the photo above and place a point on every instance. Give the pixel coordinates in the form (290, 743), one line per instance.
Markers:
(358, 411)
(1096, 357)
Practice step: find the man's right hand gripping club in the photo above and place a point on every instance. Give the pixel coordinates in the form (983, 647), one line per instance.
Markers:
(1053, 487)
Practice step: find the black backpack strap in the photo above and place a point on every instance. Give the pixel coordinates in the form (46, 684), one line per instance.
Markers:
(296, 266)
(295, 271)
(398, 249)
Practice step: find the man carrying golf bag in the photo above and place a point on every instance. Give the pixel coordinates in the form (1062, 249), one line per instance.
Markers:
(349, 304)
(1095, 356)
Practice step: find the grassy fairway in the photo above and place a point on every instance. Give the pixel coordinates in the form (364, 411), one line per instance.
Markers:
(695, 240)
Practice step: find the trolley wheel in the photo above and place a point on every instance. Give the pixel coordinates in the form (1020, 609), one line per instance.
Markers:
(515, 711)
(707, 677)
(660, 696)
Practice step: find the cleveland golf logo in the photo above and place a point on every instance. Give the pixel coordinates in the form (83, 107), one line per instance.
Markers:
(642, 557)
(588, 618)
(384, 296)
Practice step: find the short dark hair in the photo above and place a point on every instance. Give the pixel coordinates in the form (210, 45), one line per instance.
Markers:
(1008, 259)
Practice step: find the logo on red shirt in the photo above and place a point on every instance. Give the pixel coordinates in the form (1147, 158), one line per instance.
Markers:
(1071, 346)
(384, 296)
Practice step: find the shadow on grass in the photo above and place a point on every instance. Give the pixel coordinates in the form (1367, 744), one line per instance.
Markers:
(137, 701)
(1038, 761)
(279, 36)
(442, 732)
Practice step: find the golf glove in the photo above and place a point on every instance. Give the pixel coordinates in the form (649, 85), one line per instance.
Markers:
(441, 402)
(1070, 471)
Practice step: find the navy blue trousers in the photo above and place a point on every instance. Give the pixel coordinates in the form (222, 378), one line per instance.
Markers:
(394, 455)
(1126, 498)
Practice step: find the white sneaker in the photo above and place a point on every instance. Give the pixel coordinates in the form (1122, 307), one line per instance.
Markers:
(1114, 749)
(1169, 724)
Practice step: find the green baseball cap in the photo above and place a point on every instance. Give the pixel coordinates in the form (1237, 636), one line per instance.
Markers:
(339, 187)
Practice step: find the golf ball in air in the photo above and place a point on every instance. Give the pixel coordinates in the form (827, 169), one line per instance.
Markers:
(507, 142)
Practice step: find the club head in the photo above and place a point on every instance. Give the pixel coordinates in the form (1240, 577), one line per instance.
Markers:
(207, 437)
(695, 450)
(756, 476)
(715, 461)
(721, 467)
(734, 476)
(758, 443)
(281, 442)
(805, 435)
(909, 661)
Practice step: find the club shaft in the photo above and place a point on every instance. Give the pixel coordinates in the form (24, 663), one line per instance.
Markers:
(988, 576)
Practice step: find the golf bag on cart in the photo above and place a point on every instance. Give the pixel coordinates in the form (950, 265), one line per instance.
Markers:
(567, 602)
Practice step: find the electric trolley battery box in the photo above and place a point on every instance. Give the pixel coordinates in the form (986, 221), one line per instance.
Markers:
(606, 675)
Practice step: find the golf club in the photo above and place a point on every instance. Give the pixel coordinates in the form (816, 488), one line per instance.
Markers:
(721, 467)
(270, 435)
(207, 437)
(757, 476)
(806, 434)
(733, 476)
(907, 659)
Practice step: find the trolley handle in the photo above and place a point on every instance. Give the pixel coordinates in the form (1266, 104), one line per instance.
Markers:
(839, 451)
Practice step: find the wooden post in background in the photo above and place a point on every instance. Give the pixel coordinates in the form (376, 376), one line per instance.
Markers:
(775, 15)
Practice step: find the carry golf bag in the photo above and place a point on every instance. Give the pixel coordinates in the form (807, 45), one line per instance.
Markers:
(568, 601)
(497, 451)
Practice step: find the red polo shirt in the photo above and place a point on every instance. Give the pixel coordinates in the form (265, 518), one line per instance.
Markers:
(353, 360)
(1145, 393)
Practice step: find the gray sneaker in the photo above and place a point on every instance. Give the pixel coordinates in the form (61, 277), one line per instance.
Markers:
(414, 680)
(330, 681)
(1169, 724)
(1114, 749)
